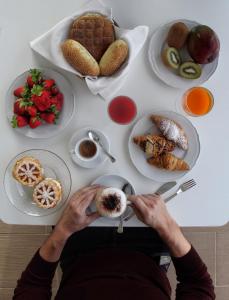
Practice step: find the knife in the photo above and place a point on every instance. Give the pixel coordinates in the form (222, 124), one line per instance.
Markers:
(165, 187)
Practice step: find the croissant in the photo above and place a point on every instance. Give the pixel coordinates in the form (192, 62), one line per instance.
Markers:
(153, 145)
(171, 130)
(169, 162)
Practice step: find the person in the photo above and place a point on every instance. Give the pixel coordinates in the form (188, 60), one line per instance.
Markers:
(98, 263)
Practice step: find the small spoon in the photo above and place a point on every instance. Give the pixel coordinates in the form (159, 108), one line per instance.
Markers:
(120, 226)
(124, 189)
(94, 137)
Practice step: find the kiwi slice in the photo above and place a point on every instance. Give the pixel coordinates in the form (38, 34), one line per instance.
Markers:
(190, 70)
(171, 58)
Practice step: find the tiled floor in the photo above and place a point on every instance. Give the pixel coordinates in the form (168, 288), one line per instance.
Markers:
(18, 244)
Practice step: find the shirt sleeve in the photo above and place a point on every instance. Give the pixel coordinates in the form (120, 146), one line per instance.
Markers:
(194, 281)
(36, 281)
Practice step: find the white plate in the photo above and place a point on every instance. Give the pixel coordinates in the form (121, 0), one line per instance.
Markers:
(143, 126)
(157, 44)
(111, 180)
(21, 196)
(101, 158)
(45, 130)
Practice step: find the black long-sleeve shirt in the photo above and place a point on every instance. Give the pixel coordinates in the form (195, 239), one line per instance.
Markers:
(115, 274)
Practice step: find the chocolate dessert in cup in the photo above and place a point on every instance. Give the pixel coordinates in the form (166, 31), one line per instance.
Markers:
(86, 149)
(111, 202)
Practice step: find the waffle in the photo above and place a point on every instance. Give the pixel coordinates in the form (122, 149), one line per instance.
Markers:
(28, 171)
(47, 193)
(95, 32)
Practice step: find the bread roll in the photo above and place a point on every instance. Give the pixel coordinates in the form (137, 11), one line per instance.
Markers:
(79, 58)
(113, 58)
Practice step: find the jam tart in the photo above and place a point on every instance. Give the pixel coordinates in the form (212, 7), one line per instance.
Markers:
(28, 171)
(47, 193)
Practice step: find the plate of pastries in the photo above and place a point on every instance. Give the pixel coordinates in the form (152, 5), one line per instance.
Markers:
(184, 53)
(164, 146)
(37, 182)
(90, 46)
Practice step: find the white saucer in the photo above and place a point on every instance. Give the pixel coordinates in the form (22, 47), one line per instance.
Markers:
(116, 181)
(93, 163)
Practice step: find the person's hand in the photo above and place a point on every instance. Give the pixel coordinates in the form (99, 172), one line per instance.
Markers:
(75, 216)
(151, 210)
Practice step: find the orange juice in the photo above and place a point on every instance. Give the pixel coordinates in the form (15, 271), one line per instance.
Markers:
(198, 101)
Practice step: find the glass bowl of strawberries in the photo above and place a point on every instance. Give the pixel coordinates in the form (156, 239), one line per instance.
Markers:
(40, 103)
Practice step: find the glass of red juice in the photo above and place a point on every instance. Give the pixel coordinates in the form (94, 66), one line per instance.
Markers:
(122, 110)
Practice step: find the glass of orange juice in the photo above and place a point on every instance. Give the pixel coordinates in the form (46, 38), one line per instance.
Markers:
(197, 101)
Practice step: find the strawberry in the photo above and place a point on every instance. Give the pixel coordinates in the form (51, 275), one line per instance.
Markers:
(19, 121)
(31, 110)
(19, 107)
(60, 98)
(42, 102)
(58, 101)
(19, 91)
(36, 90)
(49, 117)
(54, 90)
(34, 122)
(34, 77)
(48, 83)
(55, 105)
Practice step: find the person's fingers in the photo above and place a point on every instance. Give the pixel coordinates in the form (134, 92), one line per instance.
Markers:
(79, 195)
(138, 213)
(92, 217)
(147, 200)
(138, 203)
(153, 199)
(86, 200)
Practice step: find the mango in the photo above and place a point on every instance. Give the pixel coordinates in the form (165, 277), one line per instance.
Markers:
(203, 44)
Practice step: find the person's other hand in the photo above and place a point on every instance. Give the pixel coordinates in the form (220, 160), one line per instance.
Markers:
(151, 210)
(75, 216)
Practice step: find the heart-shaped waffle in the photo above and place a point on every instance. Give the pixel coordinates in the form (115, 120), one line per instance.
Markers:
(95, 32)
(28, 171)
(47, 193)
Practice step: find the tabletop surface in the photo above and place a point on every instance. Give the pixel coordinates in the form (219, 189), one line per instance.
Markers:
(205, 205)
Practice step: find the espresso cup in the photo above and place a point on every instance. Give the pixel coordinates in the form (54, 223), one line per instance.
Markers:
(86, 149)
(111, 202)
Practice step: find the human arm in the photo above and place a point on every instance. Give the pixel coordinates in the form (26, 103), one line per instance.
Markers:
(36, 280)
(194, 280)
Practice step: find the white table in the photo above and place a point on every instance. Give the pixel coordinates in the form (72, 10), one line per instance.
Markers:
(22, 21)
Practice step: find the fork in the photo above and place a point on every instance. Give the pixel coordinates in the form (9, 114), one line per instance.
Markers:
(182, 188)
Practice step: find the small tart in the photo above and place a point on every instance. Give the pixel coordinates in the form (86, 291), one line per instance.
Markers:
(28, 171)
(47, 193)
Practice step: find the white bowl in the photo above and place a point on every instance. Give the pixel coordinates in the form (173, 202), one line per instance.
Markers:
(45, 130)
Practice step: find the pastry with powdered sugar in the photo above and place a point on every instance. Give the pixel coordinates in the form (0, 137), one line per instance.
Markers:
(171, 131)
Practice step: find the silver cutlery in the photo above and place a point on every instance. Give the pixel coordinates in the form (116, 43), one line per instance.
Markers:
(163, 189)
(125, 190)
(94, 137)
(120, 226)
(182, 188)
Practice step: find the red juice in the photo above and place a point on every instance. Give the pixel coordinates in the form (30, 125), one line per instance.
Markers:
(122, 110)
